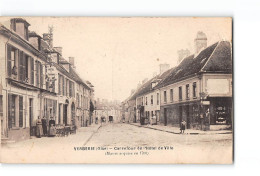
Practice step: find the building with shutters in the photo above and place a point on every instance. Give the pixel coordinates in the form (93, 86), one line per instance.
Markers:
(37, 81)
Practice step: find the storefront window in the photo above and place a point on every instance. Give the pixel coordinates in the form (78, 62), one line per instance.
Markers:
(221, 115)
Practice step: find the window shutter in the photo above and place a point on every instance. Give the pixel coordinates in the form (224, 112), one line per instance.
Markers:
(21, 69)
(9, 62)
(41, 75)
(32, 71)
(9, 111)
(20, 111)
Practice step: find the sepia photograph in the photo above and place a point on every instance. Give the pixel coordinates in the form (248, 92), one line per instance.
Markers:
(116, 90)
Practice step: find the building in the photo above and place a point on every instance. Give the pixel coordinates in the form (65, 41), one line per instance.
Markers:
(36, 81)
(199, 89)
(23, 81)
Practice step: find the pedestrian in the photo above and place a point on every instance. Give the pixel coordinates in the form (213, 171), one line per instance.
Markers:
(153, 120)
(183, 124)
(44, 126)
(52, 129)
(38, 127)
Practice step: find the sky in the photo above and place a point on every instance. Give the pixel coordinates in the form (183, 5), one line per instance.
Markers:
(115, 54)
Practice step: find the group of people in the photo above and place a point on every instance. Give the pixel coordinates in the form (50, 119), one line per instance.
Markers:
(42, 127)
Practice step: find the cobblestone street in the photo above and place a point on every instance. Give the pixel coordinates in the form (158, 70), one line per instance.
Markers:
(41, 150)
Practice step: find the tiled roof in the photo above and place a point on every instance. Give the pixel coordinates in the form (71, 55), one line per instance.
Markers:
(77, 77)
(146, 87)
(215, 58)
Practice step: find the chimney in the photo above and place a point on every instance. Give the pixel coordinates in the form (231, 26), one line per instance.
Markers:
(164, 67)
(200, 42)
(58, 49)
(182, 54)
(35, 40)
(48, 38)
(144, 80)
(20, 26)
(139, 85)
(71, 61)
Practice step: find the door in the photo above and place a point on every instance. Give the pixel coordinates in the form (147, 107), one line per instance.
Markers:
(188, 116)
(165, 116)
(180, 114)
(65, 114)
(31, 116)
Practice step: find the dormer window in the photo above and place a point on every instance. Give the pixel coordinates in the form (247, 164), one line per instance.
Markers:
(20, 26)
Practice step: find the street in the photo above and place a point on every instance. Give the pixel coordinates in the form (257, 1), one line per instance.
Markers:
(110, 137)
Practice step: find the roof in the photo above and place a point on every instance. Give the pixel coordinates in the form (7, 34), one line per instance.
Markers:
(146, 87)
(77, 77)
(213, 59)
(34, 34)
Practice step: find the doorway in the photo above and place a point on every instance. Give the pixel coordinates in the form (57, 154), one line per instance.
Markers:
(31, 116)
(180, 115)
(188, 116)
(165, 116)
(65, 114)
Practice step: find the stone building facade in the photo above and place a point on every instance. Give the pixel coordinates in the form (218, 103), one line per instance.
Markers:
(36, 81)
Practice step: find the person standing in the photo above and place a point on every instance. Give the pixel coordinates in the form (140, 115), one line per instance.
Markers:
(52, 131)
(44, 126)
(183, 124)
(38, 127)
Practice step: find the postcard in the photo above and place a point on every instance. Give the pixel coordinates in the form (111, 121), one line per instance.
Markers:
(116, 90)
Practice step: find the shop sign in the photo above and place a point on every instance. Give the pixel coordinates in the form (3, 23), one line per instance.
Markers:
(205, 102)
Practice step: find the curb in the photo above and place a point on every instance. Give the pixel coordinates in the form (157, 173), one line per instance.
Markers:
(192, 133)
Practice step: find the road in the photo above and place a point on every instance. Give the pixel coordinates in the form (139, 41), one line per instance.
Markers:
(110, 137)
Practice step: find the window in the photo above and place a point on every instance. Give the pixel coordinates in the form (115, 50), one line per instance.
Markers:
(71, 89)
(81, 101)
(21, 70)
(194, 88)
(63, 85)
(27, 75)
(187, 91)
(78, 99)
(171, 95)
(142, 101)
(180, 93)
(41, 75)
(60, 84)
(158, 98)
(165, 96)
(151, 99)
(37, 74)
(32, 70)
(12, 61)
(145, 100)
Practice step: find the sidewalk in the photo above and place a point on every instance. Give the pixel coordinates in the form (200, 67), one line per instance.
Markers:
(176, 130)
(82, 135)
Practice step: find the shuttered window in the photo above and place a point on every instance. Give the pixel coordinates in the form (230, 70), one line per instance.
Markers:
(21, 66)
(32, 71)
(41, 75)
(9, 61)
(20, 111)
(37, 74)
